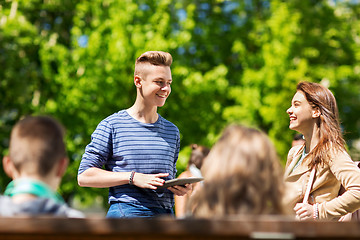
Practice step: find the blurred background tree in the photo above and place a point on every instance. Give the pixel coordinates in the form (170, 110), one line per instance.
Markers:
(234, 61)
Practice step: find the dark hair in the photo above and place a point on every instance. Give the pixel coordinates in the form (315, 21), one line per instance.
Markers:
(37, 143)
(298, 136)
(198, 154)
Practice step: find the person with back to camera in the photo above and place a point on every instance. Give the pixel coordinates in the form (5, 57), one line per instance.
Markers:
(36, 163)
(242, 175)
(138, 147)
(314, 113)
(198, 154)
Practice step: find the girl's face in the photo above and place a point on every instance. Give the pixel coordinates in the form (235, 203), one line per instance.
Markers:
(302, 114)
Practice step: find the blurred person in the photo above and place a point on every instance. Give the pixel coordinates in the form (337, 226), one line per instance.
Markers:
(298, 139)
(137, 147)
(36, 162)
(314, 113)
(242, 175)
(198, 154)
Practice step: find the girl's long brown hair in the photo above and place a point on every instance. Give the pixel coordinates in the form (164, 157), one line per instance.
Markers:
(242, 175)
(331, 139)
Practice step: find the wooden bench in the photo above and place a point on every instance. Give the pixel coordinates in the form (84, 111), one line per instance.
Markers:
(264, 227)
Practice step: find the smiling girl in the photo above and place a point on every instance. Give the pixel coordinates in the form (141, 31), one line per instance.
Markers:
(314, 113)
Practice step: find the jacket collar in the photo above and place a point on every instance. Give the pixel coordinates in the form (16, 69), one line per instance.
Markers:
(299, 170)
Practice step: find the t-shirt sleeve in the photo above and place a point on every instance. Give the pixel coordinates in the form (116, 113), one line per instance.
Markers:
(99, 149)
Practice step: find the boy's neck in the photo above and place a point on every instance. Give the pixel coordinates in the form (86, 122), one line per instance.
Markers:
(143, 114)
(20, 198)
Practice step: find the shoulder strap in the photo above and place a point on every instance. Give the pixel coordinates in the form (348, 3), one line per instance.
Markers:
(309, 186)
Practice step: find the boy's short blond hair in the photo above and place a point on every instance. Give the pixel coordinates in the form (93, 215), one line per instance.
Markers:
(157, 58)
(36, 145)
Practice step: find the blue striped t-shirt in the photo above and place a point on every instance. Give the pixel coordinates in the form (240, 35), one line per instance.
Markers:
(123, 144)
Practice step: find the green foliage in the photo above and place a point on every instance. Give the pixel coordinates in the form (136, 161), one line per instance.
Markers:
(234, 61)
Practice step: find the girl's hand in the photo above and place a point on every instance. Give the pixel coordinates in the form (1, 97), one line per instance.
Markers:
(180, 190)
(151, 181)
(304, 211)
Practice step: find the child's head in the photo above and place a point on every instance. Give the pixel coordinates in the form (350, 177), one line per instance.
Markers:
(152, 78)
(156, 58)
(242, 175)
(198, 154)
(322, 103)
(322, 98)
(36, 145)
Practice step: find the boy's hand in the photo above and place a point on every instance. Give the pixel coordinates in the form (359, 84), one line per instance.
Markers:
(149, 180)
(180, 190)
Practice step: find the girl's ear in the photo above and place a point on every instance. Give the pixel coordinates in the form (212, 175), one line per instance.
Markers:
(137, 81)
(316, 112)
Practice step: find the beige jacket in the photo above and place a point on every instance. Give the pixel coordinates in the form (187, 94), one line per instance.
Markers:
(328, 179)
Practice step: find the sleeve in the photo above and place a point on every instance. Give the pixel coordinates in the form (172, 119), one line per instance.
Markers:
(348, 174)
(99, 149)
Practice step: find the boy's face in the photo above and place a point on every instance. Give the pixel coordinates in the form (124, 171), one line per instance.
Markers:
(155, 84)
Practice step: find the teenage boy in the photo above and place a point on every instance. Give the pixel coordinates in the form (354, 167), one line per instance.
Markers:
(137, 147)
(36, 163)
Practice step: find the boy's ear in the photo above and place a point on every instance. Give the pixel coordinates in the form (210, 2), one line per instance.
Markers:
(137, 81)
(9, 167)
(316, 112)
(63, 163)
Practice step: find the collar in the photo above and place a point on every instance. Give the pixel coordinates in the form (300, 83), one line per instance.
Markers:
(30, 186)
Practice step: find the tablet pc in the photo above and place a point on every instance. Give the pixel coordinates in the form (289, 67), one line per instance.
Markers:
(180, 181)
